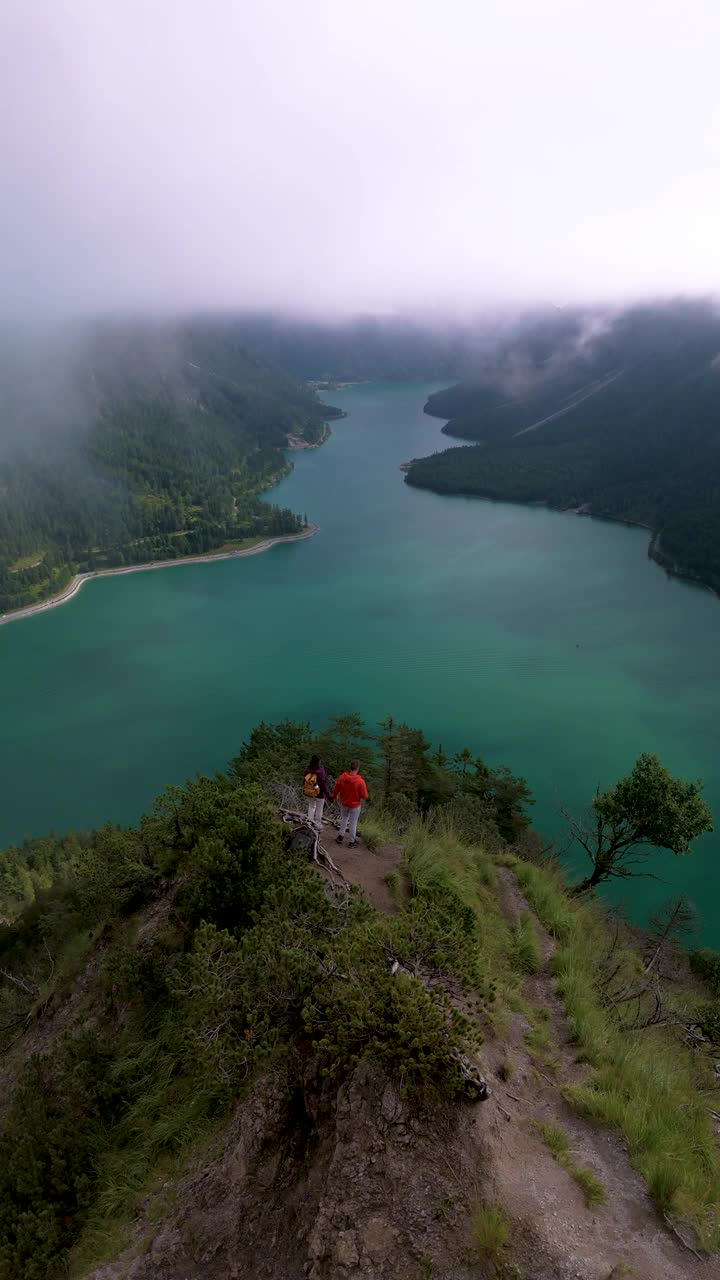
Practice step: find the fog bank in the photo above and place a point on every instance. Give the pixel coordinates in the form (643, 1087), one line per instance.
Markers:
(341, 157)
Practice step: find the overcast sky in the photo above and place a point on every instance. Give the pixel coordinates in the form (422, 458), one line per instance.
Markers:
(356, 154)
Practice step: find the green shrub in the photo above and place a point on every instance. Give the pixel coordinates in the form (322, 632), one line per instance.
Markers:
(227, 863)
(471, 821)
(274, 751)
(706, 964)
(48, 1154)
(397, 1023)
(708, 1016)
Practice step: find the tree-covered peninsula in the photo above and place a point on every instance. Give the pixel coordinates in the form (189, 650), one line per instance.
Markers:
(141, 442)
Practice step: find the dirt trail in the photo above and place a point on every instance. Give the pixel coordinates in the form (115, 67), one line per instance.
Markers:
(364, 867)
(531, 1185)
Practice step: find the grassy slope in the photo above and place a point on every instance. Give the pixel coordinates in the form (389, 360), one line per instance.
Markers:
(645, 1084)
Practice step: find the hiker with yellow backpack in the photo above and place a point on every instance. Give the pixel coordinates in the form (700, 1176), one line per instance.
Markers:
(315, 787)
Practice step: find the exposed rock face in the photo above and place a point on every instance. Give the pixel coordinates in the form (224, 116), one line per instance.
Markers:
(327, 1184)
(357, 1183)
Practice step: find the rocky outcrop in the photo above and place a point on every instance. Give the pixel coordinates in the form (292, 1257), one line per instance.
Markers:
(324, 1183)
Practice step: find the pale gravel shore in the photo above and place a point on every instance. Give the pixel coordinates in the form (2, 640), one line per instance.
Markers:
(81, 578)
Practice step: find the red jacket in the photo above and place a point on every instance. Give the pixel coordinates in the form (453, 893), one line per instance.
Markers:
(351, 789)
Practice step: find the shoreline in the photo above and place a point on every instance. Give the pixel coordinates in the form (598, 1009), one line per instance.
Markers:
(654, 551)
(78, 582)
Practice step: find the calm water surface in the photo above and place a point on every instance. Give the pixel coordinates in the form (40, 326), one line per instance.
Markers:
(544, 641)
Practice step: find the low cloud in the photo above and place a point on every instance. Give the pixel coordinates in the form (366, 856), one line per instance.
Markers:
(347, 157)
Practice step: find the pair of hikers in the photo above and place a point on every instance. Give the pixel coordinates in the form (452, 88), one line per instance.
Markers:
(350, 789)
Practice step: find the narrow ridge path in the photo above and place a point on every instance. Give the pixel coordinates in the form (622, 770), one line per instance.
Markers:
(364, 867)
(627, 1231)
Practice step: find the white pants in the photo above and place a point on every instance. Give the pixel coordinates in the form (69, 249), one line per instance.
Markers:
(315, 810)
(349, 817)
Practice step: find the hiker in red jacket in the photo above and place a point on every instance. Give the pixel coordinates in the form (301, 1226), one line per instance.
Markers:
(352, 790)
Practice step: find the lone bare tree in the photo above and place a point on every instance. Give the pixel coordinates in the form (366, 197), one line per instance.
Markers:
(672, 923)
(647, 810)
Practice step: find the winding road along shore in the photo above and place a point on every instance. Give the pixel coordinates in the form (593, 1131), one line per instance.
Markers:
(81, 578)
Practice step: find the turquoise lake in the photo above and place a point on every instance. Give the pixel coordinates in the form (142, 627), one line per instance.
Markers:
(544, 641)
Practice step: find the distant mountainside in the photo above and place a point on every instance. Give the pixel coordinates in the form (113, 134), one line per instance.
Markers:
(141, 442)
(619, 416)
(367, 347)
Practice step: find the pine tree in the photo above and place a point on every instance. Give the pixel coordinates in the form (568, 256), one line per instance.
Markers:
(405, 760)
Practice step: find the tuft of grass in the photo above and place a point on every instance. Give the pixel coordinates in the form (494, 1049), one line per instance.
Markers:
(589, 1183)
(506, 1069)
(490, 1231)
(664, 1184)
(549, 898)
(99, 1246)
(645, 1086)
(394, 882)
(526, 955)
(557, 1141)
(377, 828)
(109, 1230)
(440, 859)
(440, 866)
(539, 1042)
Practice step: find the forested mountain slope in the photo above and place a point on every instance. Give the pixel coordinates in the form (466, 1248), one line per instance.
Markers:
(366, 347)
(149, 441)
(619, 416)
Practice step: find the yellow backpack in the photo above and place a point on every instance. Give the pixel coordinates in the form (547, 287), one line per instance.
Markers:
(310, 786)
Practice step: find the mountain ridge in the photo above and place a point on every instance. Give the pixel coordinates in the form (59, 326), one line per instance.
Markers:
(217, 1062)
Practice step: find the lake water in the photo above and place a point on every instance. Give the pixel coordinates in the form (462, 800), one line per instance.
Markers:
(544, 641)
